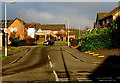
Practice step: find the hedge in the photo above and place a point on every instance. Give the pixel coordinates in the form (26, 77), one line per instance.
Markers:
(96, 39)
(26, 41)
(107, 37)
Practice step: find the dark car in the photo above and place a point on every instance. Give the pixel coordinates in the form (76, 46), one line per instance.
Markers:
(49, 42)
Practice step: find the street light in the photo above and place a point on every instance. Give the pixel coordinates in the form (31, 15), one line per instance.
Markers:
(68, 30)
(5, 30)
(79, 31)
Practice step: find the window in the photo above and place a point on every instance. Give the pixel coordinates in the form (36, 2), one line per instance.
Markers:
(13, 29)
(107, 20)
(55, 32)
(47, 31)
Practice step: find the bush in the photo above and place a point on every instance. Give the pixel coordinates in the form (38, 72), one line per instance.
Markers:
(96, 39)
(30, 41)
(74, 42)
(14, 44)
(115, 27)
(22, 43)
(26, 41)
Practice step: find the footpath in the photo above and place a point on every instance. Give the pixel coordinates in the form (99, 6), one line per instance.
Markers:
(14, 56)
(102, 53)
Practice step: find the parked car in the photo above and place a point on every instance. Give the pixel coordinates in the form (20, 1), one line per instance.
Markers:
(49, 42)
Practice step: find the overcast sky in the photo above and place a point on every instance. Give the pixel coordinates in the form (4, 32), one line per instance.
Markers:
(79, 13)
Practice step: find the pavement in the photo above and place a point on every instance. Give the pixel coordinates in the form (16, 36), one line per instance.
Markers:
(16, 55)
(104, 53)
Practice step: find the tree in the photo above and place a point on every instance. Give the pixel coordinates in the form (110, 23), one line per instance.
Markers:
(77, 33)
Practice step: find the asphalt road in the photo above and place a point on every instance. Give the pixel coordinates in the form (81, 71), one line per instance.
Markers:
(52, 64)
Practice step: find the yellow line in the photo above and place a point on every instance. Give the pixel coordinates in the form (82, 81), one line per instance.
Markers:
(91, 53)
(87, 51)
(101, 56)
(95, 54)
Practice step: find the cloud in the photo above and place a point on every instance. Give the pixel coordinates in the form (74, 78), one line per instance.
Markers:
(43, 17)
(79, 13)
(63, 0)
(35, 16)
(0, 10)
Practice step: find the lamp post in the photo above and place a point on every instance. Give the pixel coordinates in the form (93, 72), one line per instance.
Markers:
(79, 31)
(5, 29)
(68, 30)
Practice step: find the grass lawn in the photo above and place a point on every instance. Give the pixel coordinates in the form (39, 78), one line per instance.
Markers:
(39, 44)
(60, 43)
(15, 48)
(2, 55)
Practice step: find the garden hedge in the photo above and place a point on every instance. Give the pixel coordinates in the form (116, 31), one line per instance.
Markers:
(96, 39)
(107, 37)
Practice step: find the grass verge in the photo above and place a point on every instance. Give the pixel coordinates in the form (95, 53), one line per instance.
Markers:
(2, 55)
(15, 48)
(60, 43)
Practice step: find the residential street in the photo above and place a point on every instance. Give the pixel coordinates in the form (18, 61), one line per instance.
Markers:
(56, 63)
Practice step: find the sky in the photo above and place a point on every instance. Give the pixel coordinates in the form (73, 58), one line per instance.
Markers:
(80, 14)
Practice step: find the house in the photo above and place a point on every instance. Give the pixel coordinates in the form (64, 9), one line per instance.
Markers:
(51, 31)
(2, 34)
(17, 29)
(31, 29)
(74, 33)
(1, 41)
(103, 18)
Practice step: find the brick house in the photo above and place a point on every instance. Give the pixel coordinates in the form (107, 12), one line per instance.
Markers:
(2, 34)
(103, 18)
(52, 31)
(17, 29)
(31, 28)
(1, 44)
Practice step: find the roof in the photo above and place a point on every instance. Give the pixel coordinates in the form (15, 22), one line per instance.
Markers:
(117, 9)
(2, 23)
(9, 22)
(30, 25)
(73, 31)
(102, 15)
(52, 27)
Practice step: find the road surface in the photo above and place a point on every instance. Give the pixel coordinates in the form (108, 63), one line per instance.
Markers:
(52, 64)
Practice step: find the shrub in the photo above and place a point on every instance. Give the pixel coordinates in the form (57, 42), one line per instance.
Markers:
(74, 42)
(16, 42)
(22, 43)
(30, 41)
(96, 39)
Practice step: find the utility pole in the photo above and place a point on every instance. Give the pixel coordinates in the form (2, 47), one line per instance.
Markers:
(68, 30)
(5, 29)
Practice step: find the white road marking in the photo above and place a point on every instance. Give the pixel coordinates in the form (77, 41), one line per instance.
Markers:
(49, 57)
(56, 76)
(51, 65)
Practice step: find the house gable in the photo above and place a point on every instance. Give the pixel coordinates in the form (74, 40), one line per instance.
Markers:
(18, 28)
(105, 17)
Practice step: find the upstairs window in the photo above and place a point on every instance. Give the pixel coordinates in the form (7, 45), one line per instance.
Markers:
(13, 30)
